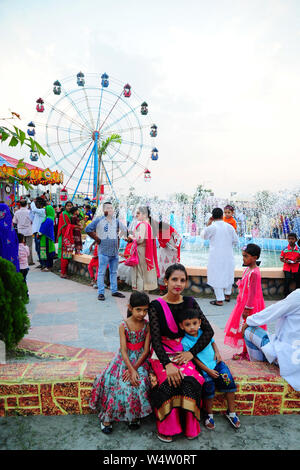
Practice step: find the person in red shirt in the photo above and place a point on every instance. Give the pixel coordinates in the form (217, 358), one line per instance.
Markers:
(290, 256)
(94, 264)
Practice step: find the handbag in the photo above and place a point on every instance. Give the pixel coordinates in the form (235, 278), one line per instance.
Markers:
(133, 259)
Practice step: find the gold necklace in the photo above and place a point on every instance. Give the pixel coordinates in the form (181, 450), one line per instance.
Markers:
(166, 299)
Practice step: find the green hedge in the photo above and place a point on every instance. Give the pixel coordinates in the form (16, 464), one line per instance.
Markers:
(14, 321)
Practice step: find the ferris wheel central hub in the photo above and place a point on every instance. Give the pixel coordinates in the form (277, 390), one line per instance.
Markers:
(96, 135)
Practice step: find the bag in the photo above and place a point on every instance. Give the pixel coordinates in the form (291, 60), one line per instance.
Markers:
(133, 259)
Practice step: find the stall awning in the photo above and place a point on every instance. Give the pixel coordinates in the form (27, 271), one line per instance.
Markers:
(10, 166)
(13, 162)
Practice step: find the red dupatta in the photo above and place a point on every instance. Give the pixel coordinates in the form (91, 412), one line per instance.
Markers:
(65, 236)
(151, 253)
(63, 222)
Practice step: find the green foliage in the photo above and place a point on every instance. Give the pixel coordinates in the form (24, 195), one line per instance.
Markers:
(182, 198)
(14, 322)
(18, 137)
(102, 149)
(201, 193)
(112, 139)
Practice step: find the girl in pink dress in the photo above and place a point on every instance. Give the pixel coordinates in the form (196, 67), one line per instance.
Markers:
(249, 301)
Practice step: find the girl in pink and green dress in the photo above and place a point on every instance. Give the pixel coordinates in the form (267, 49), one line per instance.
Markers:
(121, 391)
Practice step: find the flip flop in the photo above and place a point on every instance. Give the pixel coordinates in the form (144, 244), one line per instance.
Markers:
(193, 437)
(233, 420)
(134, 424)
(106, 429)
(241, 356)
(214, 302)
(163, 438)
(209, 423)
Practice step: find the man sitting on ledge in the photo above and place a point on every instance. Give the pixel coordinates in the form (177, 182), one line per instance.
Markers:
(283, 347)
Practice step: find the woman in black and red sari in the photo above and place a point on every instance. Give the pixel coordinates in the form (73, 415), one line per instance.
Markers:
(176, 383)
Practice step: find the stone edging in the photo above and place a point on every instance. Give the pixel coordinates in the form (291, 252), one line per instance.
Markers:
(272, 279)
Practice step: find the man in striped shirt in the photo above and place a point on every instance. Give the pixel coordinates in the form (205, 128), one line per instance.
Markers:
(105, 230)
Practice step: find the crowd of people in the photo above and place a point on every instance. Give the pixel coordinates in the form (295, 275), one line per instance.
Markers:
(143, 266)
(171, 365)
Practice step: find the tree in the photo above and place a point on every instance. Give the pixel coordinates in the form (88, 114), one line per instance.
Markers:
(182, 198)
(14, 321)
(18, 137)
(112, 139)
(199, 196)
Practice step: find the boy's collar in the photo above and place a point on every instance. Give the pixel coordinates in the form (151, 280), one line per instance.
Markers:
(190, 336)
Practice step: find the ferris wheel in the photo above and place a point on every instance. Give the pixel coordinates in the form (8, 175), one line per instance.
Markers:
(97, 130)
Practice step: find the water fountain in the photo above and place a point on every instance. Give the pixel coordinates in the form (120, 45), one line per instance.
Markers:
(265, 221)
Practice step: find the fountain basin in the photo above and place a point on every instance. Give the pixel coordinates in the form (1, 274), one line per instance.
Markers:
(272, 278)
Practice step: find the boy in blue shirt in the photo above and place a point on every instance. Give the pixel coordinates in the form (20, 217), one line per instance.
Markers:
(214, 370)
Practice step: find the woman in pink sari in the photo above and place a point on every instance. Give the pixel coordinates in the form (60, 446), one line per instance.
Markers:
(145, 274)
(176, 384)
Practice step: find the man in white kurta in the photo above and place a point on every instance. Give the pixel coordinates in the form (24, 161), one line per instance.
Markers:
(220, 267)
(284, 345)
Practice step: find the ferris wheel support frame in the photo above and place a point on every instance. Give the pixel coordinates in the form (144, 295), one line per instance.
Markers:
(92, 151)
(96, 163)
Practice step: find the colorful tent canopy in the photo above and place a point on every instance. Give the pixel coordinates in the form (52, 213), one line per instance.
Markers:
(25, 171)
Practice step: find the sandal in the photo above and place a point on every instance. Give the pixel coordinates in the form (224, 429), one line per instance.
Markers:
(163, 438)
(234, 420)
(194, 437)
(106, 429)
(241, 356)
(214, 302)
(209, 423)
(134, 424)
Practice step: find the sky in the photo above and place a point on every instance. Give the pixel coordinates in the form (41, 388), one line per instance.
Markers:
(221, 78)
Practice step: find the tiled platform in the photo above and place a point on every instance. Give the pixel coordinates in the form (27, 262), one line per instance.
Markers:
(63, 386)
